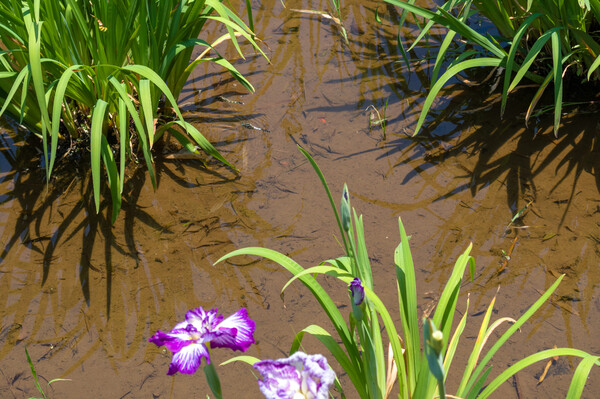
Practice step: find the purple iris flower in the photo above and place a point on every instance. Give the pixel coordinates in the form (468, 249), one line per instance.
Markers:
(357, 291)
(188, 340)
(299, 376)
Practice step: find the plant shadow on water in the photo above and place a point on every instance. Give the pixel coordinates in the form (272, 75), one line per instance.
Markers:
(98, 282)
(42, 208)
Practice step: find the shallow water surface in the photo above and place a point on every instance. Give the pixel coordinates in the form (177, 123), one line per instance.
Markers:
(85, 297)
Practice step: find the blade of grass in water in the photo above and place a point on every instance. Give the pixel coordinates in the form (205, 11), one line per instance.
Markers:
(95, 147)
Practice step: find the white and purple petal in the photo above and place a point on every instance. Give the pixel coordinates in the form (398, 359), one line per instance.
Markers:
(173, 341)
(188, 359)
(300, 375)
(279, 381)
(202, 319)
(319, 373)
(243, 336)
(222, 338)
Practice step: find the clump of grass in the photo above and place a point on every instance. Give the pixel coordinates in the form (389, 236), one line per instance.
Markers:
(541, 41)
(109, 72)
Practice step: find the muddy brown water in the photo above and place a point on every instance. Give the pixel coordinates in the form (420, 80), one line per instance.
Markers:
(85, 297)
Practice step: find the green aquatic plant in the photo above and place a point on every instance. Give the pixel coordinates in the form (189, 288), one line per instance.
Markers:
(36, 381)
(541, 41)
(109, 73)
(418, 366)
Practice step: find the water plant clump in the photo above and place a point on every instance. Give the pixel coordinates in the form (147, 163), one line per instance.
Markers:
(418, 366)
(544, 42)
(109, 73)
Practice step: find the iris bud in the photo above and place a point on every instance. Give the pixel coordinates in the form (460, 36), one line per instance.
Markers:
(345, 209)
(357, 291)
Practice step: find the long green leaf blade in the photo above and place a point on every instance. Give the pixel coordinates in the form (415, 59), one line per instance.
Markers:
(450, 73)
(530, 311)
(558, 82)
(528, 361)
(96, 148)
